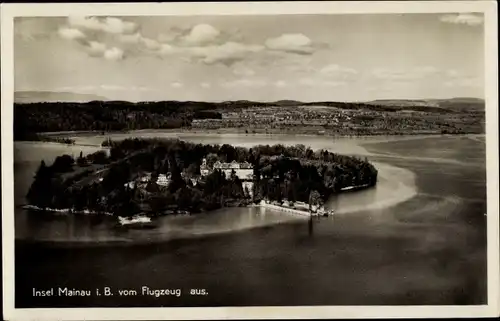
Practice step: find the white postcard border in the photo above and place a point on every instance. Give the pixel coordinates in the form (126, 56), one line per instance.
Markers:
(9, 11)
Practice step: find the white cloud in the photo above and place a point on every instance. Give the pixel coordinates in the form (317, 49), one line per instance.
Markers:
(82, 88)
(405, 74)
(336, 70)
(109, 24)
(115, 25)
(150, 43)
(241, 70)
(91, 23)
(205, 85)
(307, 82)
(106, 87)
(227, 53)
(112, 87)
(96, 48)
(321, 83)
(245, 83)
(294, 43)
(166, 50)
(132, 38)
(333, 83)
(124, 88)
(464, 82)
(71, 33)
(113, 54)
(201, 34)
(167, 37)
(280, 83)
(177, 84)
(463, 18)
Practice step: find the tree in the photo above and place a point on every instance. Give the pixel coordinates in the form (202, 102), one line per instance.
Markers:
(40, 192)
(193, 169)
(81, 161)
(212, 158)
(63, 164)
(314, 198)
(99, 157)
(183, 197)
(247, 191)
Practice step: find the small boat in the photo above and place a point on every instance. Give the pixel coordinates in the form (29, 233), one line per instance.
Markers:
(136, 221)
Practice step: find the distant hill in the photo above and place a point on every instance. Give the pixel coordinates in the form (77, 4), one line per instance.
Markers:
(462, 104)
(403, 102)
(25, 97)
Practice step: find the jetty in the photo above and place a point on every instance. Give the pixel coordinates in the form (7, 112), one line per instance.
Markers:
(291, 210)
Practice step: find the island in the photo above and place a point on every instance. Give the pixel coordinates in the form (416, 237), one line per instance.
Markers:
(151, 177)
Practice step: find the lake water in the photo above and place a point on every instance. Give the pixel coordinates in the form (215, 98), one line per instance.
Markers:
(418, 237)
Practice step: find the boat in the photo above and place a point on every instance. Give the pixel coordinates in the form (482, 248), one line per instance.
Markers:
(136, 221)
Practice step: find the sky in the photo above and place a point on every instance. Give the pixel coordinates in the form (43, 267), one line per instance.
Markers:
(349, 57)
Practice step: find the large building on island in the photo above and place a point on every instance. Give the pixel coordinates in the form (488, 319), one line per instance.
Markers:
(244, 170)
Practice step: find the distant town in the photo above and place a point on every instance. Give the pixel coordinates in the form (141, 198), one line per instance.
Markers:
(385, 117)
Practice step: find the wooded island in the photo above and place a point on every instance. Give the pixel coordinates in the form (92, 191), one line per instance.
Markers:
(165, 176)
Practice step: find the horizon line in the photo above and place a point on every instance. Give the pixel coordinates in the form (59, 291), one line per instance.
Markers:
(104, 99)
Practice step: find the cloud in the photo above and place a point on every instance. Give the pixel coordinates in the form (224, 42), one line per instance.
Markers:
(293, 43)
(106, 87)
(202, 43)
(109, 25)
(130, 39)
(112, 87)
(113, 54)
(335, 69)
(404, 74)
(205, 85)
(150, 44)
(464, 82)
(333, 83)
(167, 37)
(71, 33)
(321, 83)
(307, 82)
(227, 53)
(32, 28)
(241, 70)
(96, 48)
(463, 18)
(245, 83)
(280, 83)
(201, 34)
(166, 50)
(338, 72)
(177, 84)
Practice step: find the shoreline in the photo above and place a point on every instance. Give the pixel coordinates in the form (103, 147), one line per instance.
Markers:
(175, 133)
(232, 130)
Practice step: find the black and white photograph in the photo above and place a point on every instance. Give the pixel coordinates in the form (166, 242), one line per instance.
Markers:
(233, 156)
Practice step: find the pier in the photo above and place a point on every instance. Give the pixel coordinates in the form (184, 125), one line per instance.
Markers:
(304, 213)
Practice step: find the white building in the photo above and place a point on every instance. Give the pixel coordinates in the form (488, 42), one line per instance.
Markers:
(163, 180)
(244, 171)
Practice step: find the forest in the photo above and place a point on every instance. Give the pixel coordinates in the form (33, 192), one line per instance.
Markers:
(33, 118)
(98, 181)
